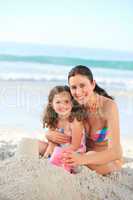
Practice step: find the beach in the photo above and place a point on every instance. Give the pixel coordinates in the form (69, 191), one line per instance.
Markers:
(40, 43)
(23, 175)
(24, 88)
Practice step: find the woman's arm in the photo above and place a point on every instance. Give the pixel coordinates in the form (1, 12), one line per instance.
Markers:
(57, 137)
(113, 151)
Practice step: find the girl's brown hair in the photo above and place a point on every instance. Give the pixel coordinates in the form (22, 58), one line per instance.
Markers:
(50, 117)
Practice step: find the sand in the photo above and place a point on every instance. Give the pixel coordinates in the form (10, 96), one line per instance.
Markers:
(25, 176)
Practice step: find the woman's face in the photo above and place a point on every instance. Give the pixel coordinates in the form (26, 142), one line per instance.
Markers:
(81, 88)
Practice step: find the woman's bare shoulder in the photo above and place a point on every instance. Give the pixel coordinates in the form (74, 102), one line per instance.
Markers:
(109, 107)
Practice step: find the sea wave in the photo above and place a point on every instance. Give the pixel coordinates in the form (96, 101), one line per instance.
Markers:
(106, 81)
(31, 77)
(24, 71)
(67, 61)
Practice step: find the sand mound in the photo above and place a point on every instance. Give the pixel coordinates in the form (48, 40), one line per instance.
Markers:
(29, 178)
(25, 177)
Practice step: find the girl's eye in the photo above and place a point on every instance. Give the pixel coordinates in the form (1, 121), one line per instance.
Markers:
(66, 101)
(73, 87)
(57, 102)
(82, 85)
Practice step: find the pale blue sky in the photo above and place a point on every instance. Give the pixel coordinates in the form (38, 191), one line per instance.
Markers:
(81, 23)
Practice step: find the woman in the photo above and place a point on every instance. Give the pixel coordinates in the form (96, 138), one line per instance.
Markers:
(104, 153)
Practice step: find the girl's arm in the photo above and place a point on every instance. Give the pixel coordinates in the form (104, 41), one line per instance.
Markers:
(77, 133)
(113, 151)
(57, 137)
(49, 149)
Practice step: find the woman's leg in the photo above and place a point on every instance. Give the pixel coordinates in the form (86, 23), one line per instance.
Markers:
(107, 168)
(42, 147)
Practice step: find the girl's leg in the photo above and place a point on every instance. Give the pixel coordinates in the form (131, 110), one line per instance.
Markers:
(42, 147)
(107, 168)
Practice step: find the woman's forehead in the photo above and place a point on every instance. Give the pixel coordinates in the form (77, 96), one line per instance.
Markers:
(78, 79)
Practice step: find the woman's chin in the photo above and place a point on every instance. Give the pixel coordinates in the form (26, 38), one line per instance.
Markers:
(81, 102)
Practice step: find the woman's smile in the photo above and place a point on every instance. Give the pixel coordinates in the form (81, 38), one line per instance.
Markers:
(81, 88)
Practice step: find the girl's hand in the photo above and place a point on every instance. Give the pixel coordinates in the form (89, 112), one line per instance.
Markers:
(49, 150)
(67, 149)
(73, 158)
(57, 137)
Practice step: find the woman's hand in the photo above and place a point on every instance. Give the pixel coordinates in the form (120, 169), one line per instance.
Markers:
(57, 137)
(73, 158)
(95, 103)
(49, 150)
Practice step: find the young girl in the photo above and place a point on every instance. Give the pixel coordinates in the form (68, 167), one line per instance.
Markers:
(63, 115)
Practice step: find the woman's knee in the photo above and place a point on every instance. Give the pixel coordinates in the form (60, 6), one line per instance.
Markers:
(99, 169)
(106, 168)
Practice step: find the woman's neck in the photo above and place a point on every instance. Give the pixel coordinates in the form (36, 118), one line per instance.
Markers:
(92, 104)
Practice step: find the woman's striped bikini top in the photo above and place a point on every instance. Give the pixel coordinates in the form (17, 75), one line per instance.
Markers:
(101, 135)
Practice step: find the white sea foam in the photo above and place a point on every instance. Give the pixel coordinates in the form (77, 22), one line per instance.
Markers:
(114, 78)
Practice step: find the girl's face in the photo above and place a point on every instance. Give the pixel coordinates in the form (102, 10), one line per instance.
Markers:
(62, 104)
(81, 88)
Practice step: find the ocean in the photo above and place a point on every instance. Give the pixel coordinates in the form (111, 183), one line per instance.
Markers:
(25, 82)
